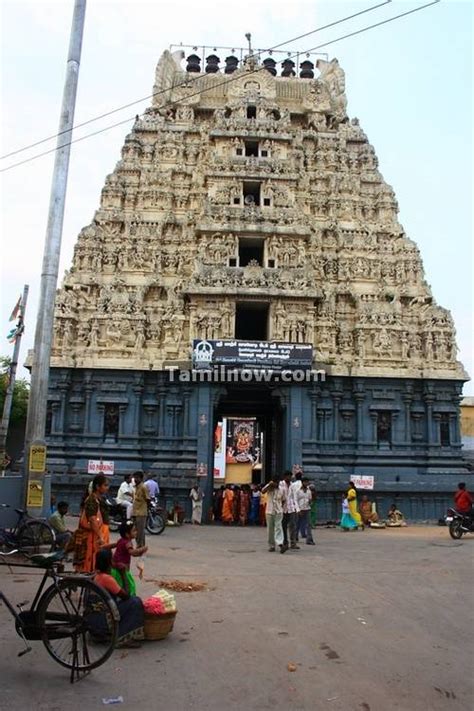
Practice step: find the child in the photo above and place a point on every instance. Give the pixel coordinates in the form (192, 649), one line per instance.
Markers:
(347, 522)
(122, 557)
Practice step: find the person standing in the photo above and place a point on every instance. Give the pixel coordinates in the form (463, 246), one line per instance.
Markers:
(285, 488)
(312, 514)
(228, 505)
(347, 522)
(244, 505)
(293, 511)
(88, 537)
(140, 507)
(255, 505)
(125, 495)
(303, 497)
(196, 497)
(274, 514)
(262, 518)
(152, 486)
(352, 501)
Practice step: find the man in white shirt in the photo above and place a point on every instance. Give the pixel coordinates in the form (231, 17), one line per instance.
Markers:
(125, 495)
(290, 511)
(152, 486)
(304, 496)
(274, 514)
(293, 510)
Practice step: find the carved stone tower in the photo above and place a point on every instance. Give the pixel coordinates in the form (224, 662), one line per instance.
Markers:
(249, 206)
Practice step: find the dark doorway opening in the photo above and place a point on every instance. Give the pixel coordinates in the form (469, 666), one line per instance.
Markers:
(252, 194)
(251, 148)
(263, 405)
(251, 112)
(250, 250)
(251, 321)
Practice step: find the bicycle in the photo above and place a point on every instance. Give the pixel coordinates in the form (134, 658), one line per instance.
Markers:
(76, 620)
(29, 535)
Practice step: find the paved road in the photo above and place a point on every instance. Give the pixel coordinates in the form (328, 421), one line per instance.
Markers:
(372, 620)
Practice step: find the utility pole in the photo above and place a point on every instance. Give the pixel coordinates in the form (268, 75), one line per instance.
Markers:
(7, 405)
(36, 419)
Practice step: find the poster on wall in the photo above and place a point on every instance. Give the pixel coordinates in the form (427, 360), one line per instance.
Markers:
(97, 466)
(242, 441)
(363, 481)
(219, 449)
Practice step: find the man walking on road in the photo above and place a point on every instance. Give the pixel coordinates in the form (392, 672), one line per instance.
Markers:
(274, 514)
(289, 489)
(140, 507)
(303, 498)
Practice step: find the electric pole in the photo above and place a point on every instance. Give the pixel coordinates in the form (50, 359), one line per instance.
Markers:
(36, 419)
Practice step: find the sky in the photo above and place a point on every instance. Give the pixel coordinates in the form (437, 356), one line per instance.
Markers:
(409, 82)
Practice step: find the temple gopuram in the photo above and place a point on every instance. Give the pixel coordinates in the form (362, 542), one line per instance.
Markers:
(247, 224)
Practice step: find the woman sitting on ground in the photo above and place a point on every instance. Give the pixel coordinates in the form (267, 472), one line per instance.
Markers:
(130, 607)
(395, 517)
(367, 511)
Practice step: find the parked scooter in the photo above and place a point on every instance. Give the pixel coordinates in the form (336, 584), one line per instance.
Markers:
(155, 522)
(459, 523)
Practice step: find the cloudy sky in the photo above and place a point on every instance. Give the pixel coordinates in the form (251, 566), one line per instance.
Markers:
(409, 82)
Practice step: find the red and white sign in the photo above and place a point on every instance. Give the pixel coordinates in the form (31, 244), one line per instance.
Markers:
(96, 466)
(363, 482)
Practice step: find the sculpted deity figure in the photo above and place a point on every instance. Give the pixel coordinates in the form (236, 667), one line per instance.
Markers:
(94, 334)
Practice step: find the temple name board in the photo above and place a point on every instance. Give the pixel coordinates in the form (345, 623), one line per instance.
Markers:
(252, 354)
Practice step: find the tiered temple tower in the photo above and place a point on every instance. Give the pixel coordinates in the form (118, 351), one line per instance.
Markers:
(247, 205)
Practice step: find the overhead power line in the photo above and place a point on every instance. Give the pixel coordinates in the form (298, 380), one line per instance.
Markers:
(188, 81)
(228, 81)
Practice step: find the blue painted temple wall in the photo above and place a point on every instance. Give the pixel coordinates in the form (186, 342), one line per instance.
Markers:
(404, 432)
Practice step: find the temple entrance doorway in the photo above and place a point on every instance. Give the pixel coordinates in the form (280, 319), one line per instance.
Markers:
(248, 435)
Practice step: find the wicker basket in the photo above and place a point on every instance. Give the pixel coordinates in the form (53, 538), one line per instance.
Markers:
(158, 626)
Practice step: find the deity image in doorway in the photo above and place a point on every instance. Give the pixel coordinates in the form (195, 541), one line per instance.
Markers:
(241, 439)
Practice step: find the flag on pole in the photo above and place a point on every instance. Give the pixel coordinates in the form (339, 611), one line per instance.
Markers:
(16, 310)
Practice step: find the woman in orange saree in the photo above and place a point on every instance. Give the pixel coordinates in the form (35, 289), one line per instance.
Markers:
(228, 505)
(88, 539)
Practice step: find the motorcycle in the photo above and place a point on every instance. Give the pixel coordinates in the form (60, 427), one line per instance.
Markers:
(155, 521)
(459, 523)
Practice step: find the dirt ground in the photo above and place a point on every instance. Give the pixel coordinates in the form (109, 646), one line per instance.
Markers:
(368, 621)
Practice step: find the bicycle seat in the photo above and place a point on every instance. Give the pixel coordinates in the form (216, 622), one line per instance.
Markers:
(47, 560)
(22, 512)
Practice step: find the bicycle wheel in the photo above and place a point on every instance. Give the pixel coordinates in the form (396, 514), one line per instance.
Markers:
(36, 537)
(79, 623)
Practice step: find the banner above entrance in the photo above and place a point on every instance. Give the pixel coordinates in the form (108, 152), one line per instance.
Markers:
(252, 354)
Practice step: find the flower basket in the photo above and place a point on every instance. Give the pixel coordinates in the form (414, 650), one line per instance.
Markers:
(158, 626)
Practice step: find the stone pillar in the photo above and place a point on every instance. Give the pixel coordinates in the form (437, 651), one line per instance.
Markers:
(63, 389)
(407, 400)
(101, 411)
(296, 443)
(137, 391)
(55, 407)
(429, 399)
(313, 396)
(186, 396)
(336, 399)
(436, 428)
(359, 397)
(161, 417)
(205, 445)
(122, 410)
(88, 388)
(374, 419)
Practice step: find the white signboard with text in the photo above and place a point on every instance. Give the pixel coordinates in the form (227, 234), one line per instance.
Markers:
(363, 482)
(96, 466)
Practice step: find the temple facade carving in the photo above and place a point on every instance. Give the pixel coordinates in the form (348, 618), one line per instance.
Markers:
(259, 189)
